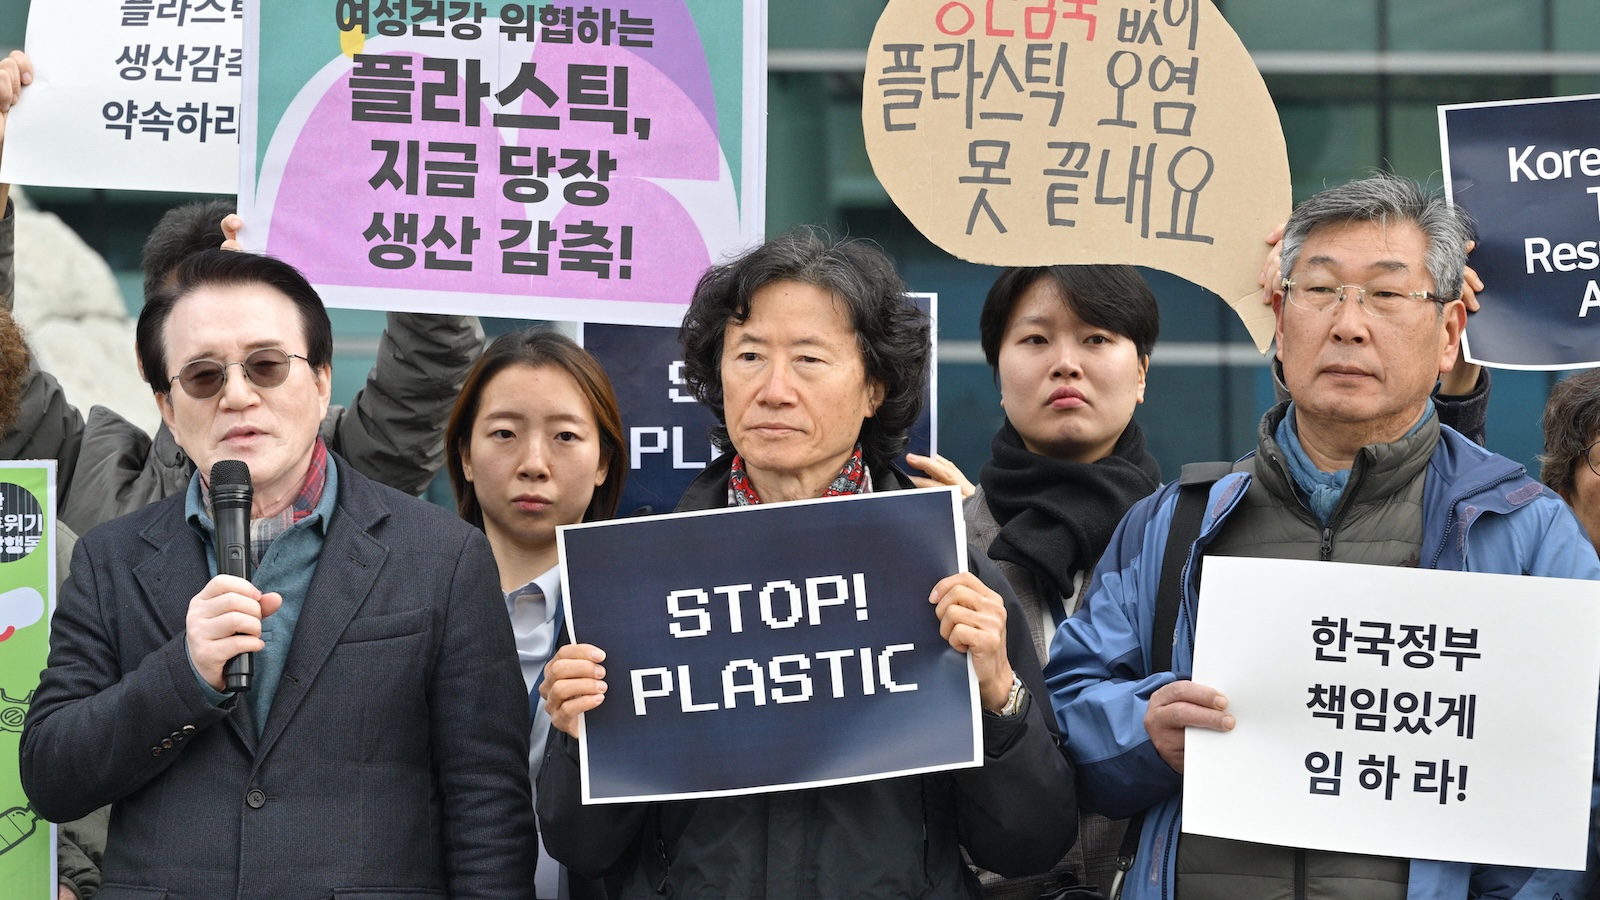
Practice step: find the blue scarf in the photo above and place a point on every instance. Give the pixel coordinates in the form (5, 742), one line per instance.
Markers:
(1321, 490)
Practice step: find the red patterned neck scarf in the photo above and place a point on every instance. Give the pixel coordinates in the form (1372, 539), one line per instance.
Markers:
(852, 479)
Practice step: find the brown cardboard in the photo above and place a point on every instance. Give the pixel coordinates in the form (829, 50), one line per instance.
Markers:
(955, 87)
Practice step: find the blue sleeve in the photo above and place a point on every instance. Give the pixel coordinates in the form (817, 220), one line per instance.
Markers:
(1546, 540)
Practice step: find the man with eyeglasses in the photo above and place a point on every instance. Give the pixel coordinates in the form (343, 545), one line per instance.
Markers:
(382, 748)
(1354, 467)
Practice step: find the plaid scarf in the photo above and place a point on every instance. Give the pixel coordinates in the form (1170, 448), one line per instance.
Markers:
(852, 479)
(264, 531)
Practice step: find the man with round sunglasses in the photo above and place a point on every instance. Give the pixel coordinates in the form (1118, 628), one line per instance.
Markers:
(381, 748)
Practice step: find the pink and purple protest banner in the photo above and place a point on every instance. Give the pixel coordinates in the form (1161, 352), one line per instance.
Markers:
(577, 161)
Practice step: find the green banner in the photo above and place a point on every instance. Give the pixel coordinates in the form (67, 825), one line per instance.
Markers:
(27, 596)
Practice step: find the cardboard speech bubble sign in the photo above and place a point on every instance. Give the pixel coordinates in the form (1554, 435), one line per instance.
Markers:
(1042, 132)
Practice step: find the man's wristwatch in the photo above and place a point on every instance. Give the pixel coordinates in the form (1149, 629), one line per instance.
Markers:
(1018, 694)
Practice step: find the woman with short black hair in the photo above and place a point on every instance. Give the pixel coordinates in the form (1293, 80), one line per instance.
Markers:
(1070, 347)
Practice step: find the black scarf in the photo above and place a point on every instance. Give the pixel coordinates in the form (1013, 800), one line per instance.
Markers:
(1055, 517)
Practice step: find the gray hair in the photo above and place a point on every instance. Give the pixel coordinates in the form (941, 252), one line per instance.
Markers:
(1385, 198)
(1571, 421)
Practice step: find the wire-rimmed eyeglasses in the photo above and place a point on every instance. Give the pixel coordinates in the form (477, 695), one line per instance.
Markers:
(1382, 302)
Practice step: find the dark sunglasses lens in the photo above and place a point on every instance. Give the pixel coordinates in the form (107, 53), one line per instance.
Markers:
(201, 379)
(267, 368)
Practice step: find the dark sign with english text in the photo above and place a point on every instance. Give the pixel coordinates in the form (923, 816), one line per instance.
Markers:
(1528, 171)
(771, 647)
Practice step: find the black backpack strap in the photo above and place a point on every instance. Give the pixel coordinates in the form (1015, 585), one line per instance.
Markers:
(1194, 489)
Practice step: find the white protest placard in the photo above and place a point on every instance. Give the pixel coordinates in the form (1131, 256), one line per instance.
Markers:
(1397, 711)
(574, 161)
(129, 95)
(1032, 133)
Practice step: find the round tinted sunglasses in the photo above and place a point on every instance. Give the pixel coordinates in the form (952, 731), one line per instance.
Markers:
(267, 367)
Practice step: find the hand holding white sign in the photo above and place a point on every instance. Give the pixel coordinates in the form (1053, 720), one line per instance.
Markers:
(1180, 705)
(1397, 711)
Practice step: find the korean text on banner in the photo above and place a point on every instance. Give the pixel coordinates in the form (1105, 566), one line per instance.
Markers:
(1117, 131)
(27, 598)
(773, 647)
(582, 161)
(1528, 171)
(129, 95)
(1396, 711)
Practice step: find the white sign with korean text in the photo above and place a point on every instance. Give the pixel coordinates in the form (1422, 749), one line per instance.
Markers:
(129, 95)
(1397, 711)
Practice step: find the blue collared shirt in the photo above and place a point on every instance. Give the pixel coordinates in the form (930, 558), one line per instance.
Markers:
(286, 567)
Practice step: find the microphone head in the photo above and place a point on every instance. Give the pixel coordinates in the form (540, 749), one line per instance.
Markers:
(230, 482)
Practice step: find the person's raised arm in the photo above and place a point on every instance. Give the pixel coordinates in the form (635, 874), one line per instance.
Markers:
(394, 430)
(16, 72)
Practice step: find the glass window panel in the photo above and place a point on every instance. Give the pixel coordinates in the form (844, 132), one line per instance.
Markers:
(1577, 25)
(1467, 88)
(1330, 124)
(822, 24)
(1277, 25)
(1414, 142)
(1570, 85)
(1495, 25)
(13, 22)
(1329, 143)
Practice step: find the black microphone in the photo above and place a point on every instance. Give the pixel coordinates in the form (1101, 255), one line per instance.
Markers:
(231, 496)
